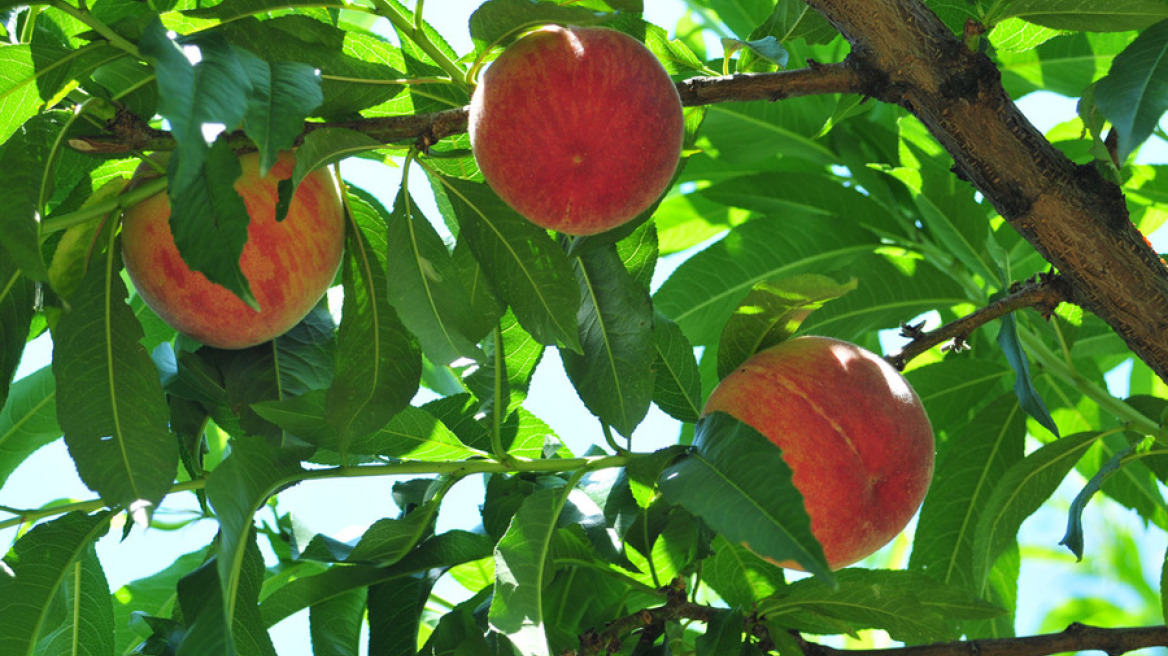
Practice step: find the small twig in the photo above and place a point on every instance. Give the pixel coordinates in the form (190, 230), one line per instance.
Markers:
(1044, 293)
(129, 133)
(650, 622)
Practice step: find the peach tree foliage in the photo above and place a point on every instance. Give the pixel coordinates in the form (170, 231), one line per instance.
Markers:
(822, 214)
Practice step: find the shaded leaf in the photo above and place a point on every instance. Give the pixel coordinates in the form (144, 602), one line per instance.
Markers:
(1024, 388)
(677, 383)
(28, 421)
(1134, 94)
(38, 565)
(612, 374)
(737, 482)
(110, 403)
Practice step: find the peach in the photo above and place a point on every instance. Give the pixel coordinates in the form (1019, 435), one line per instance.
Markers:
(852, 430)
(289, 264)
(579, 129)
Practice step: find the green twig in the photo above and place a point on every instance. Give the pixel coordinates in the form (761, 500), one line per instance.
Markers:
(98, 210)
(457, 468)
(415, 31)
(96, 25)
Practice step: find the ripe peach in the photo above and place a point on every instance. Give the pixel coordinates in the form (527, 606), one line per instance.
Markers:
(288, 264)
(579, 129)
(851, 429)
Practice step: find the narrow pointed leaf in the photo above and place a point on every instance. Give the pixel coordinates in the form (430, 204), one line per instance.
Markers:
(517, 607)
(208, 217)
(703, 292)
(28, 421)
(1073, 538)
(222, 624)
(1020, 492)
(527, 269)
(977, 457)
(771, 312)
(88, 626)
(613, 373)
(334, 625)
(283, 94)
(511, 355)
(1113, 16)
(17, 293)
(739, 575)
(909, 606)
(110, 403)
(427, 291)
(153, 595)
(399, 608)
(236, 489)
(39, 564)
(1134, 95)
(737, 482)
(1024, 388)
(677, 384)
(378, 364)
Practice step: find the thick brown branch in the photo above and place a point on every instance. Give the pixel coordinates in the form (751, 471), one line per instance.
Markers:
(1077, 220)
(128, 133)
(1077, 637)
(1043, 293)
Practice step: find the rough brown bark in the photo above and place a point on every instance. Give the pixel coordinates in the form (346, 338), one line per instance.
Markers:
(1077, 220)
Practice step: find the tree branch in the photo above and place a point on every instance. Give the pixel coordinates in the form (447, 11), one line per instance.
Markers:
(1077, 220)
(1076, 637)
(128, 133)
(1044, 292)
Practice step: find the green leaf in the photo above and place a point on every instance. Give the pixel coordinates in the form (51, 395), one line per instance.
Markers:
(28, 420)
(17, 293)
(1073, 538)
(213, 91)
(110, 403)
(771, 313)
(440, 551)
(976, 457)
(947, 388)
(740, 576)
(208, 217)
(427, 291)
(723, 634)
(517, 608)
(737, 482)
(334, 625)
(527, 269)
(1085, 15)
(1134, 94)
(378, 363)
(495, 20)
(1020, 492)
(224, 619)
(909, 606)
(38, 565)
(1065, 64)
(612, 374)
(236, 489)
(87, 628)
(326, 146)
(283, 94)
(512, 356)
(398, 607)
(677, 383)
(153, 595)
(792, 19)
(703, 292)
(23, 159)
(1024, 388)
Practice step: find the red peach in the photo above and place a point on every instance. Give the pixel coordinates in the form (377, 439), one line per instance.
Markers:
(579, 129)
(289, 264)
(852, 430)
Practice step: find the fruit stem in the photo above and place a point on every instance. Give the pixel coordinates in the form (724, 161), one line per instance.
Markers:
(416, 32)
